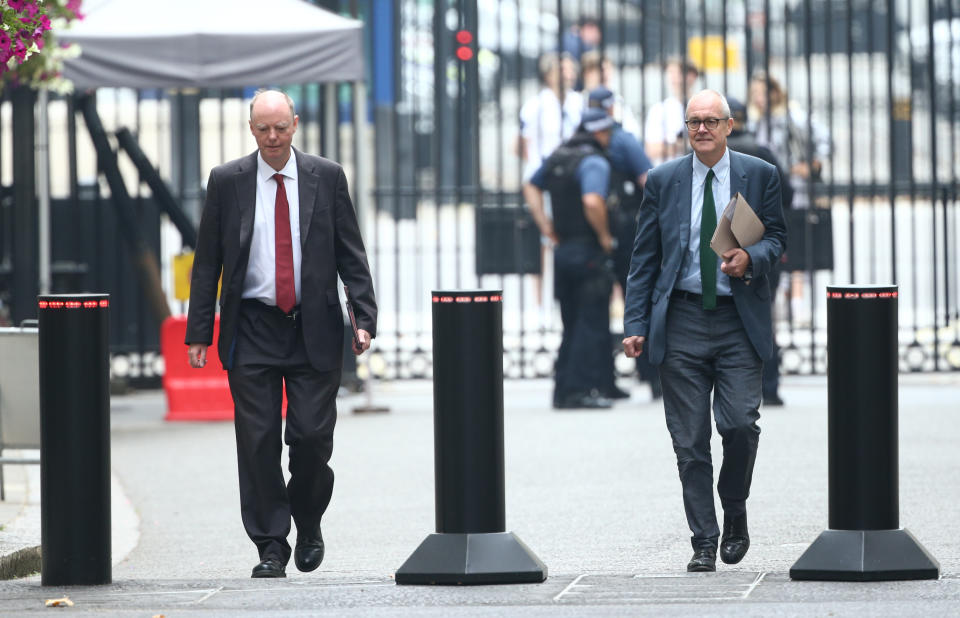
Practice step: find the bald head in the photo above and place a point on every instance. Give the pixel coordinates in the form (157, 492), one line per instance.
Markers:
(273, 124)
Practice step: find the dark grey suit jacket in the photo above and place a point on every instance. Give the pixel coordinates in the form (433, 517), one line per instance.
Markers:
(663, 232)
(330, 243)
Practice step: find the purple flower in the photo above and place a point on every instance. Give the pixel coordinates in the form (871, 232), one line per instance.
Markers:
(4, 42)
(20, 51)
(44, 23)
(31, 10)
(39, 41)
(17, 5)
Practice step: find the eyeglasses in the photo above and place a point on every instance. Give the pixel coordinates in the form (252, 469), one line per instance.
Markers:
(710, 123)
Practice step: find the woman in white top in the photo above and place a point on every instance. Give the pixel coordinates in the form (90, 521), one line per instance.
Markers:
(552, 115)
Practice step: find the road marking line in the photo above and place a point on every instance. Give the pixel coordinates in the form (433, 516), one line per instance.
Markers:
(569, 586)
(208, 595)
(755, 583)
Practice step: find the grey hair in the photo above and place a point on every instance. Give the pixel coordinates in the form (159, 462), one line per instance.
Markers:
(257, 94)
(723, 101)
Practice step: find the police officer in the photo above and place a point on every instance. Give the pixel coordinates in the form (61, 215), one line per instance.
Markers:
(629, 165)
(577, 176)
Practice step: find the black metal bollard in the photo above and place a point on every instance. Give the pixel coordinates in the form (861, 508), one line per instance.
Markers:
(471, 545)
(864, 541)
(75, 439)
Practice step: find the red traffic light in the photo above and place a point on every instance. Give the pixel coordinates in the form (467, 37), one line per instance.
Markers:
(464, 53)
(464, 37)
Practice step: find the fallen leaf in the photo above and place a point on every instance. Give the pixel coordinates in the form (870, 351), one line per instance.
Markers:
(64, 602)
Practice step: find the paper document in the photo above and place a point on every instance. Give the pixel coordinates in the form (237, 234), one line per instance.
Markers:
(738, 226)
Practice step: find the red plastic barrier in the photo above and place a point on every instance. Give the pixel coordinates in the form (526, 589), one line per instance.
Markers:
(193, 394)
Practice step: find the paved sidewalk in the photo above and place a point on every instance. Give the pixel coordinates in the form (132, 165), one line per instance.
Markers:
(593, 493)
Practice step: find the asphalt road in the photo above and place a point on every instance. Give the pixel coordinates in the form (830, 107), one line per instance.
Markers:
(594, 494)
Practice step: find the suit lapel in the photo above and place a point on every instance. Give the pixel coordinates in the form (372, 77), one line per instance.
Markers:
(308, 181)
(738, 177)
(246, 199)
(683, 191)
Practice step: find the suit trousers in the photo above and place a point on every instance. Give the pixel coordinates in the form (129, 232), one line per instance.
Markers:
(709, 352)
(271, 356)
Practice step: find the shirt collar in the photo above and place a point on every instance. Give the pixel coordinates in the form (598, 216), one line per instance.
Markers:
(720, 171)
(265, 172)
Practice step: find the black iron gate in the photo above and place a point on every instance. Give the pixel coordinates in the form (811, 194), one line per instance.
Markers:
(871, 86)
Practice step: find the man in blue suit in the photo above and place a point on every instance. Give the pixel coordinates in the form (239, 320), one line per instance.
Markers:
(706, 322)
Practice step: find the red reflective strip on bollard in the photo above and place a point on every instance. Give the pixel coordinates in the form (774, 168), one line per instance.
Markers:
(56, 304)
(90, 304)
(464, 299)
(851, 295)
(868, 295)
(42, 304)
(104, 303)
(888, 294)
(73, 304)
(496, 299)
(446, 299)
(481, 299)
(436, 299)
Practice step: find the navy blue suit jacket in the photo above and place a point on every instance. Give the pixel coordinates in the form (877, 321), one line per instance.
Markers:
(663, 232)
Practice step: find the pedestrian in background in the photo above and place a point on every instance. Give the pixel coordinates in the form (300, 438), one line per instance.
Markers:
(279, 226)
(546, 120)
(706, 322)
(742, 140)
(577, 177)
(803, 145)
(598, 71)
(663, 130)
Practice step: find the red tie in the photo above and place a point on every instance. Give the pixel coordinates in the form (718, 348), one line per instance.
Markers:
(283, 246)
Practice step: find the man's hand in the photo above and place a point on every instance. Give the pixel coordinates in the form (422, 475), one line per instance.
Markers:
(606, 243)
(198, 355)
(364, 342)
(633, 346)
(735, 262)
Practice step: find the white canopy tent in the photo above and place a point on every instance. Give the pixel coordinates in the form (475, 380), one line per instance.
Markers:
(211, 43)
(206, 44)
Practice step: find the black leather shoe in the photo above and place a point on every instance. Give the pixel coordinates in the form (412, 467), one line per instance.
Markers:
(269, 567)
(735, 540)
(704, 561)
(574, 402)
(308, 553)
(772, 401)
(615, 392)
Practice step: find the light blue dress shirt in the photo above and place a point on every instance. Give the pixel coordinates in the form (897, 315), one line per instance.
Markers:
(690, 271)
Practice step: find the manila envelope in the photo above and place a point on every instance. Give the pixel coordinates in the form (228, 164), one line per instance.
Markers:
(739, 226)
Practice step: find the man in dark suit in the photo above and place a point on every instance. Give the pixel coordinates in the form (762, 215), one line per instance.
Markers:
(279, 225)
(706, 322)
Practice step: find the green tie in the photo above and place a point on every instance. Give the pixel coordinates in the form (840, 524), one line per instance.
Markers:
(708, 259)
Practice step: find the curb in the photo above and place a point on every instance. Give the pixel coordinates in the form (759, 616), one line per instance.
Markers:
(20, 563)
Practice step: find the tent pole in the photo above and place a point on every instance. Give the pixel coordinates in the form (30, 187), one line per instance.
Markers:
(43, 190)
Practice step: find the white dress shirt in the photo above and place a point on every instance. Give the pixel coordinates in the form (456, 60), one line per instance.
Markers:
(545, 124)
(260, 282)
(690, 272)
